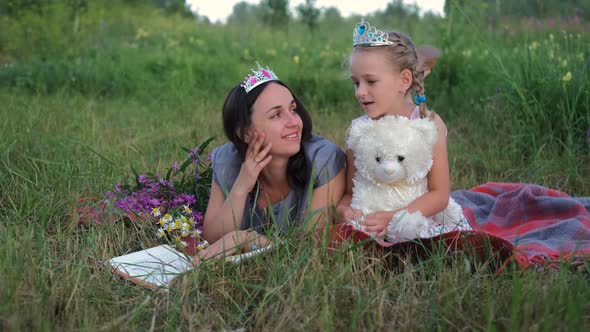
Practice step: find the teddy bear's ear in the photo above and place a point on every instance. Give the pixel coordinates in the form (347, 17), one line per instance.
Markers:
(427, 128)
(356, 131)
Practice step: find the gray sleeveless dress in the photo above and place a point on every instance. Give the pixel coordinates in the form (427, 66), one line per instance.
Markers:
(326, 160)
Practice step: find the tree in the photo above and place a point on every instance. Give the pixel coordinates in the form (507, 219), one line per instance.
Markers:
(275, 12)
(244, 13)
(308, 14)
(331, 16)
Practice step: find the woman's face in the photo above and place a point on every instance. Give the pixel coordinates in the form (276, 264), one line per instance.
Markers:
(274, 114)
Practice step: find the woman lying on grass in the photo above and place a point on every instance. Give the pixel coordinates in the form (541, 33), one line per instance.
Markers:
(262, 178)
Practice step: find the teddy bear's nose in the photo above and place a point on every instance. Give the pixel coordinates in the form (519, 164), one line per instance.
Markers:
(389, 170)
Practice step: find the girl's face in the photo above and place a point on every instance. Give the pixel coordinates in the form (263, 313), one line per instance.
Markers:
(274, 114)
(377, 84)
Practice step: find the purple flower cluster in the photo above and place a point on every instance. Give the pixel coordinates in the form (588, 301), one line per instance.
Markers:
(151, 192)
(185, 184)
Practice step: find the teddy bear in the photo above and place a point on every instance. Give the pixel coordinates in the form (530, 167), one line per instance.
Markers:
(393, 156)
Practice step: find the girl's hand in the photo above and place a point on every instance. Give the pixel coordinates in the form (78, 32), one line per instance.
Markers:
(256, 159)
(348, 214)
(377, 222)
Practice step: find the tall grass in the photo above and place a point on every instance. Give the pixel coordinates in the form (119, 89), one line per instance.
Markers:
(131, 85)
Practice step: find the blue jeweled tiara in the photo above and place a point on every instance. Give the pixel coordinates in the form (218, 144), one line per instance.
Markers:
(365, 35)
(258, 77)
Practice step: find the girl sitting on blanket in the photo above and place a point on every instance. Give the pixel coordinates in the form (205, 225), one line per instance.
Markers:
(262, 178)
(386, 72)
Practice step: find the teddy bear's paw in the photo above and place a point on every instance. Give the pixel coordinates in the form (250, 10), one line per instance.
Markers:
(406, 226)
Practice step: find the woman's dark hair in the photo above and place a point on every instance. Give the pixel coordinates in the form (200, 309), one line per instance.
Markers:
(237, 118)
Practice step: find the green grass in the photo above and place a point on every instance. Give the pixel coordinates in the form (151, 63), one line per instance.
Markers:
(77, 115)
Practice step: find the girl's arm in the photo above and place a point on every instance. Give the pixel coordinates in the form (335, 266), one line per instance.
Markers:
(437, 197)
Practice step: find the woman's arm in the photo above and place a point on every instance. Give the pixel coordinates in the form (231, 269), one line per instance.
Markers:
(224, 215)
(344, 212)
(324, 199)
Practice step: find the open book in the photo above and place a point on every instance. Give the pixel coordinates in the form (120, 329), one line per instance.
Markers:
(159, 266)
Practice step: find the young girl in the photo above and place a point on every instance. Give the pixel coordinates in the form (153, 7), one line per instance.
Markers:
(385, 71)
(261, 179)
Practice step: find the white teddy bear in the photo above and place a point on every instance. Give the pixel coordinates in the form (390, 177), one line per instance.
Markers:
(393, 156)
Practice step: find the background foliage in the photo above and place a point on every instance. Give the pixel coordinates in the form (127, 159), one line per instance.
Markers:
(88, 88)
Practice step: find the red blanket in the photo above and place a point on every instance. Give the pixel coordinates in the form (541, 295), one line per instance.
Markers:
(530, 224)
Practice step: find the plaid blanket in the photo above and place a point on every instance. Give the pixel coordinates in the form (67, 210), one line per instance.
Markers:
(530, 224)
(544, 225)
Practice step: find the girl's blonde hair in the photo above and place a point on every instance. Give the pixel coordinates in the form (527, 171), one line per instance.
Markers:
(402, 54)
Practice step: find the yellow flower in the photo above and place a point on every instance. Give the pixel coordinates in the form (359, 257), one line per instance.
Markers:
(246, 54)
(564, 62)
(296, 59)
(187, 210)
(141, 33)
(176, 224)
(185, 226)
(162, 222)
(203, 245)
(173, 43)
(567, 77)
(156, 212)
(535, 45)
(161, 232)
(167, 217)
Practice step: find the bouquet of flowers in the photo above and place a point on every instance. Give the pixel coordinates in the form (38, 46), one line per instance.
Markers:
(175, 202)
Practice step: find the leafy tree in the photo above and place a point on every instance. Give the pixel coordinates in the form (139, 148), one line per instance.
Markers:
(308, 14)
(275, 12)
(331, 16)
(245, 13)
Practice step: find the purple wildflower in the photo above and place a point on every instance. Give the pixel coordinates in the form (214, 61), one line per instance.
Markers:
(183, 199)
(193, 152)
(143, 179)
(175, 166)
(208, 157)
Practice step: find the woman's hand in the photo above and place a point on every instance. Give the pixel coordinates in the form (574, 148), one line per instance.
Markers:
(227, 245)
(256, 159)
(377, 222)
(232, 243)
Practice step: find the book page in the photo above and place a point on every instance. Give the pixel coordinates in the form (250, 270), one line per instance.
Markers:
(155, 266)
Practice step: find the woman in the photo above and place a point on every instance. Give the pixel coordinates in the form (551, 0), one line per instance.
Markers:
(261, 179)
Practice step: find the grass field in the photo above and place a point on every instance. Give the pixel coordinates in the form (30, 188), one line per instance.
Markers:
(132, 85)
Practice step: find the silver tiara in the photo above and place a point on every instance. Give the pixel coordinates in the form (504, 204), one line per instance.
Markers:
(258, 77)
(365, 35)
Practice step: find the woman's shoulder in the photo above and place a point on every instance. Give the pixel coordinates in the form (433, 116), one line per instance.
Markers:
(318, 144)
(225, 154)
